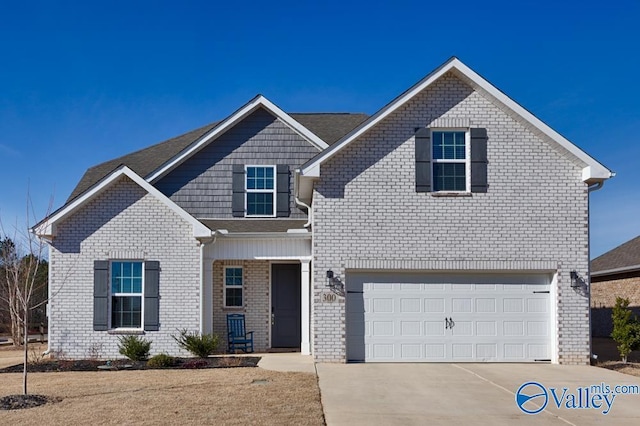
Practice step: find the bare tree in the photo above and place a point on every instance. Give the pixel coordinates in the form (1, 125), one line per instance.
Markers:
(22, 259)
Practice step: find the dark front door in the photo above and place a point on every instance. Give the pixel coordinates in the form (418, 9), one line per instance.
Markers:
(285, 305)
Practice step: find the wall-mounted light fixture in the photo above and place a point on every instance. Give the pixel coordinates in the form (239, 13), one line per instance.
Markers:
(575, 279)
(334, 283)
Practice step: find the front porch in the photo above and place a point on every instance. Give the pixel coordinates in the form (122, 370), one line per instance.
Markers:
(266, 279)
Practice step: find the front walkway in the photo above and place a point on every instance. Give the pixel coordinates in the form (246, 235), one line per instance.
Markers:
(290, 361)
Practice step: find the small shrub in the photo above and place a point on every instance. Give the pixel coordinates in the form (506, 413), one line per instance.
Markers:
(195, 363)
(161, 361)
(134, 347)
(199, 345)
(626, 328)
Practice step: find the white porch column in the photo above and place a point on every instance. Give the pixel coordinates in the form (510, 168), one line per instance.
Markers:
(206, 298)
(305, 310)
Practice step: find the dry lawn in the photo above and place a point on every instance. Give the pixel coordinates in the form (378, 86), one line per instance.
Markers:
(209, 396)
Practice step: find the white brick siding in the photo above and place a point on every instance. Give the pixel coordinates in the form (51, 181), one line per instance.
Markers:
(122, 222)
(535, 212)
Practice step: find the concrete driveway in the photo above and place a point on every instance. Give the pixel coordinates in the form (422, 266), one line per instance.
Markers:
(478, 394)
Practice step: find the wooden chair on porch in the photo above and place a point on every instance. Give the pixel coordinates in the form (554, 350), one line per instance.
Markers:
(237, 336)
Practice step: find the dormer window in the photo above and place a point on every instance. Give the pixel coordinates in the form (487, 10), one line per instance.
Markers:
(260, 191)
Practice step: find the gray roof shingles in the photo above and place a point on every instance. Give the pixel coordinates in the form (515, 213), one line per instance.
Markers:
(626, 255)
(329, 127)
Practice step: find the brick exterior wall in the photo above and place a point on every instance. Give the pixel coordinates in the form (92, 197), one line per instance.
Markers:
(536, 209)
(123, 222)
(256, 278)
(603, 299)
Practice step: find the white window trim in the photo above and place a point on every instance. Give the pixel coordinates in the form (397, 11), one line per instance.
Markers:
(224, 286)
(273, 191)
(467, 160)
(111, 295)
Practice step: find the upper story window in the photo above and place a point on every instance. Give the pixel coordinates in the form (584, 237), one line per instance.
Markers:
(450, 161)
(126, 294)
(261, 191)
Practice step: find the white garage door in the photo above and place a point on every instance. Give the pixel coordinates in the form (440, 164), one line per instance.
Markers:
(404, 317)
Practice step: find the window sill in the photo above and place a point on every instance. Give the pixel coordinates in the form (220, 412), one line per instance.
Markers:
(233, 308)
(451, 194)
(126, 331)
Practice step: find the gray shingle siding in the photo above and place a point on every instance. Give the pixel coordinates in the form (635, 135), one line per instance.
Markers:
(202, 185)
(366, 209)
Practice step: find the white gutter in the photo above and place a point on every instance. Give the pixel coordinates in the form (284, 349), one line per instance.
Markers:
(616, 271)
(292, 233)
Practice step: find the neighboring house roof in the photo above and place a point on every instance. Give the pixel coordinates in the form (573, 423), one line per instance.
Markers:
(624, 258)
(47, 228)
(254, 225)
(328, 126)
(593, 171)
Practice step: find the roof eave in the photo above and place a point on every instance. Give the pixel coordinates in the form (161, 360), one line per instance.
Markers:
(258, 102)
(593, 170)
(47, 227)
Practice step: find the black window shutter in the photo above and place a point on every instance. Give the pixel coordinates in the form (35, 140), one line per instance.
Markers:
(237, 201)
(151, 295)
(100, 295)
(479, 160)
(282, 188)
(423, 160)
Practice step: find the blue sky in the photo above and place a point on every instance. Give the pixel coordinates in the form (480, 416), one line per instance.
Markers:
(83, 82)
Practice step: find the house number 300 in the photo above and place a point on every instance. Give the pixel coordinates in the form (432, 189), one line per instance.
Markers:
(329, 297)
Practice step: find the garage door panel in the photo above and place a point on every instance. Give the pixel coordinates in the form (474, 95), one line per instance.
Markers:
(401, 317)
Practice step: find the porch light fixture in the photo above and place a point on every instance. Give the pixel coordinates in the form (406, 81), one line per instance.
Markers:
(334, 283)
(574, 279)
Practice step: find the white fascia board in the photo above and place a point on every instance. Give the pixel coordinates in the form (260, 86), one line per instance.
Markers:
(47, 227)
(266, 235)
(257, 102)
(595, 170)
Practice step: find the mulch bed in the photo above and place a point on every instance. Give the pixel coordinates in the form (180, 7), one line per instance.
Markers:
(17, 402)
(46, 366)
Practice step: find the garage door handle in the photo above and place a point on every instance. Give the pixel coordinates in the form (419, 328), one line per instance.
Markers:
(448, 323)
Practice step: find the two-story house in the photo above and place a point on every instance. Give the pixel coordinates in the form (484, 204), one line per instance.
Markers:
(451, 225)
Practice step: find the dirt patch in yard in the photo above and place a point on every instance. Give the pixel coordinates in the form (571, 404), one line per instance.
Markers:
(230, 396)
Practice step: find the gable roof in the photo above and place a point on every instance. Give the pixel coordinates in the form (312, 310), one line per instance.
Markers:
(47, 227)
(328, 126)
(592, 172)
(624, 258)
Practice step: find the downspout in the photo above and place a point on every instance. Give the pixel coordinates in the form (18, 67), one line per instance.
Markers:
(299, 202)
(203, 242)
(596, 186)
(46, 306)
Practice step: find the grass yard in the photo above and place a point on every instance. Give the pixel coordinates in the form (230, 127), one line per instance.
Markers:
(209, 396)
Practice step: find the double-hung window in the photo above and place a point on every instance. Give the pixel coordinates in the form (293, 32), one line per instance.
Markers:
(127, 294)
(450, 160)
(233, 287)
(260, 191)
